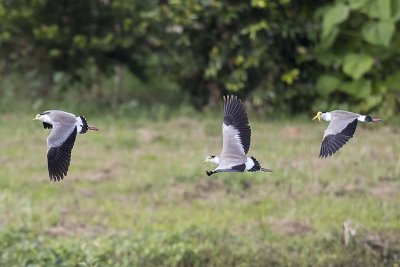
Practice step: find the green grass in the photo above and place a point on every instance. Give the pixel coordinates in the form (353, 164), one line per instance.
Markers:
(137, 195)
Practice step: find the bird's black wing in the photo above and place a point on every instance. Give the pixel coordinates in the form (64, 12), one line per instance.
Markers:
(236, 116)
(59, 157)
(333, 142)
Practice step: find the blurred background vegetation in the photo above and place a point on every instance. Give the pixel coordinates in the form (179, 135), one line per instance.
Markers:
(283, 56)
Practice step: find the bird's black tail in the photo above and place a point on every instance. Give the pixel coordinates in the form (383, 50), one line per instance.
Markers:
(257, 167)
(85, 126)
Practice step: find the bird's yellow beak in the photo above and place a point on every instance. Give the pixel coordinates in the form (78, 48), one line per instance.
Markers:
(206, 160)
(318, 116)
(36, 118)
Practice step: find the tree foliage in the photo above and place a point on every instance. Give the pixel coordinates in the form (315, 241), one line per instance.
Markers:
(358, 49)
(291, 55)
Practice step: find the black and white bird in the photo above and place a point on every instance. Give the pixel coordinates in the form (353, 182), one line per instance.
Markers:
(236, 141)
(341, 128)
(60, 142)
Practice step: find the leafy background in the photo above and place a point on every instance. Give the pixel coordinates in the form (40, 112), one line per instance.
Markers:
(284, 57)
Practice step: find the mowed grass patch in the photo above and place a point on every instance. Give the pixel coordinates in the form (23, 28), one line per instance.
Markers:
(137, 195)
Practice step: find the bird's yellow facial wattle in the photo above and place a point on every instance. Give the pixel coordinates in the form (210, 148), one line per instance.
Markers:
(36, 118)
(318, 116)
(207, 159)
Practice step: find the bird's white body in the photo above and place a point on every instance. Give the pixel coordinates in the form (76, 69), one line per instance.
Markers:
(78, 121)
(249, 162)
(328, 117)
(361, 118)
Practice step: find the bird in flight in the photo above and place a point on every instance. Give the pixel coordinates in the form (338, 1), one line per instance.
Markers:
(61, 139)
(342, 125)
(236, 134)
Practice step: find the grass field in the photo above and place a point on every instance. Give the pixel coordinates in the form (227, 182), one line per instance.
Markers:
(137, 195)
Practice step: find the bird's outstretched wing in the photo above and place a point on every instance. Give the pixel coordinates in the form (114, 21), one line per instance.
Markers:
(60, 143)
(236, 125)
(340, 130)
(236, 134)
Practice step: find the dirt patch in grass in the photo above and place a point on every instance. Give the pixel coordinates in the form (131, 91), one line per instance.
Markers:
(289, 227)
(86, 193)
(292, 132)
(202, 189)
(353, 187)
(385, 189)
(59, 230)
(148, 135)
(101, 174)
(380, 244)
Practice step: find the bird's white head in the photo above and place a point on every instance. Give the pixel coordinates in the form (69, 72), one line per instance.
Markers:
(318, 116)
(212, 159)
(42, 117)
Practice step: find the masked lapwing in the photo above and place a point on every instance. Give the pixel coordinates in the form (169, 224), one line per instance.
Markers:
(236, 134)
(342, 125)
(61, 139)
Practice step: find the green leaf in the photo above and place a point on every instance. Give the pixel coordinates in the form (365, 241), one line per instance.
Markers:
(326, 58)
(2, 11)
(326, 84)
(335, 15)
(357, 4)
(290, 76)
(370, 102)
(378, 33)
(360, 89)
(328, 38)
(379, 9)
(393, 81)
(395, 10)
(356, 65)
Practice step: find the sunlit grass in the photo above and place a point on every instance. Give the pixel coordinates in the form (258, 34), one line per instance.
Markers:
(141, 185)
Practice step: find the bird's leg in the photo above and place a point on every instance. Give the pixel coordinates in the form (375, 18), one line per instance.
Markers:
(92, 128)
(376, 120)
(265, 169)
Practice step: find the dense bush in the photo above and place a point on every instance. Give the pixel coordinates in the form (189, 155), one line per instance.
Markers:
(359, 52)
(287, 55)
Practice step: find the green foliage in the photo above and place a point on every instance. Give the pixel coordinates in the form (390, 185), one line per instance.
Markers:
(327, 84)
(278, 53)
(334, 15)
(358, 39)
(378, 32)
(238, 47)
(356, 65)
(67, 36)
